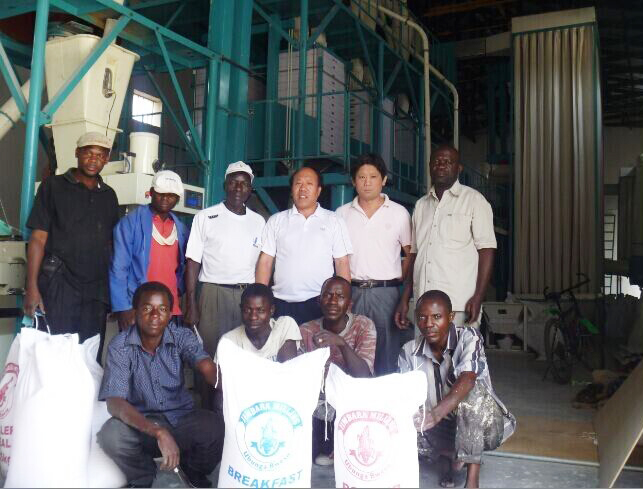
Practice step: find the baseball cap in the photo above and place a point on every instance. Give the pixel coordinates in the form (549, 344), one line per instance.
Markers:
(94, 139)
(239, 166)
(167, 182)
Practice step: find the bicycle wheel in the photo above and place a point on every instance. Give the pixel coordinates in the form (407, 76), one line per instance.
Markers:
(556, 350)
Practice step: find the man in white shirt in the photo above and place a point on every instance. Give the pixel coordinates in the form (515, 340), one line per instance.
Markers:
(222, 252)
(453, 243)
(380, 230)
(303, 243)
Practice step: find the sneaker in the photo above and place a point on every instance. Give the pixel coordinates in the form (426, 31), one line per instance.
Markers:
(324, 460)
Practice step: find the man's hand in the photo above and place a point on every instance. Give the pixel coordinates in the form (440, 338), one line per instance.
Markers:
(125, 319)
(169, 449)
(472, 309)
(192, 316)
(327, 338)
(401, 313)
(431, 418)
(33, 301)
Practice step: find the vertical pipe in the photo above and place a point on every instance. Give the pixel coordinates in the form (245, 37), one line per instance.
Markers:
(380, 97)
(303, 52)
(208, 123)
(32, 119)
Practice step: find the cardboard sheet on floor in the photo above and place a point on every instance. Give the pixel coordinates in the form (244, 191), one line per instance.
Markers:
(619, 425)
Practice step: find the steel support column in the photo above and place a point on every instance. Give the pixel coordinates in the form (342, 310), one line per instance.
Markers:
(32, 119)
(272, 75)
(303, 53)
(238, 117)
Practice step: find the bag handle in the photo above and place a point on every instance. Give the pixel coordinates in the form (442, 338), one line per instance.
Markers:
(39, 318)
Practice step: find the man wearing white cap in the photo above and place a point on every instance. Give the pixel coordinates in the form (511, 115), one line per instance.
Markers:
(71, 244)
(149, 246)
(222, 252)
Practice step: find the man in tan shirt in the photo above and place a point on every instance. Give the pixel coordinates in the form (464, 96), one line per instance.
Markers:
(453, 242)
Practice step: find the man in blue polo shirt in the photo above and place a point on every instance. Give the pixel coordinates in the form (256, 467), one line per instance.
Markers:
(153, 413)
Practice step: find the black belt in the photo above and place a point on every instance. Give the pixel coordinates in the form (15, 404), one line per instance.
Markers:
(233, 286)
(369, 284)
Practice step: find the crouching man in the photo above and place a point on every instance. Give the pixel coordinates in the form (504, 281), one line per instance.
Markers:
(463, 416)
(153, 413)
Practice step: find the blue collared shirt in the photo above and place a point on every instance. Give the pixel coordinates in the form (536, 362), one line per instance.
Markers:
(152, 383)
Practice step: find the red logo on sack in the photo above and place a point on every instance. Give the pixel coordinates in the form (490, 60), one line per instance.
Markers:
(366, 442)
(7, 385)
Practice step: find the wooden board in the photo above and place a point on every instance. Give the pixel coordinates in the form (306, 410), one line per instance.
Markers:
(619, 425)
(547, 437)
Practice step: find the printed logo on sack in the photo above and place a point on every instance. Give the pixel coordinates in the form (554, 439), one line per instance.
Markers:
(7, 385)
(366, 443)
(266, 432)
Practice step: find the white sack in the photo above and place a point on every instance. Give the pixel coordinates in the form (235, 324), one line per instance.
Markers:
(268, 410)
(375, 438)
(7, 392)
(53, 408)
(102, 471)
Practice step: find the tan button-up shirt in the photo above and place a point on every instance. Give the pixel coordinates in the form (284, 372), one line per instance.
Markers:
(447, 235)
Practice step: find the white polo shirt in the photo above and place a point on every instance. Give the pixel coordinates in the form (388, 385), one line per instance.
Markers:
(447, 235)
(377, 241)
(304, 250)
(226, 244)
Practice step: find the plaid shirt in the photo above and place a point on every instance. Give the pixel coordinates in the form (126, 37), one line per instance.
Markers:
(153, 384)
(464, 352)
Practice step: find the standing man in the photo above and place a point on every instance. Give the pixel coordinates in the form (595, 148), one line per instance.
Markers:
(71, 243)
(303, 243)
(453, 242)
(149, 246)
(222, 252)
(379, 230)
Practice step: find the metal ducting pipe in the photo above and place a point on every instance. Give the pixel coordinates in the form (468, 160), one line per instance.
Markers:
(9, 112)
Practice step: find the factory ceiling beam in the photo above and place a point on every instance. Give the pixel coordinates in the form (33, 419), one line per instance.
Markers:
(440, 10)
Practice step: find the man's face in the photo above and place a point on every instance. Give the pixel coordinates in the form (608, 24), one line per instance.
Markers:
(433, 318)
(163, 203)
(256, 313)
(91, 160)
(335, 300)
(368, 182)
(444, 166)
(238, 188)
(153, 313)
(305, 189)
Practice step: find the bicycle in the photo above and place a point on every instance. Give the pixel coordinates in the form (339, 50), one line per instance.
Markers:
(570, 337)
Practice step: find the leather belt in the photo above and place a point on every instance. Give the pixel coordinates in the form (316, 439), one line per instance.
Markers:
(369, 284)
(233, 286)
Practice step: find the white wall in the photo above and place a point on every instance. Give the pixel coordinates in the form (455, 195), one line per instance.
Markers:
(11, 156)
(621, 148)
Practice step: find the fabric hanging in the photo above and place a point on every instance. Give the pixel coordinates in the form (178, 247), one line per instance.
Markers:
(558, 159)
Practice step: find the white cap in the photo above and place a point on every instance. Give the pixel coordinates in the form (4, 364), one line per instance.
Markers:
(167, 182)
(94, 139)
(238, 166)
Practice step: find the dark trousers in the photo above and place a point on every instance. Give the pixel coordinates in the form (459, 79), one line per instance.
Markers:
(320, 443)
(69, 310)
(301, 312)
(378, 304)
(199, 435)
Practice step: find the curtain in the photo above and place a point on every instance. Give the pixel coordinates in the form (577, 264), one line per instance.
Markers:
(558, 160)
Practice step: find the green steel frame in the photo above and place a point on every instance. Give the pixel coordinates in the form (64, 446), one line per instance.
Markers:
(225, 47)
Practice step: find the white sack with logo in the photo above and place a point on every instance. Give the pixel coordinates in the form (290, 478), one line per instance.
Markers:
(102, 471)
(375, 439)
(53, 406)
(7, 392)
(268, 408)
